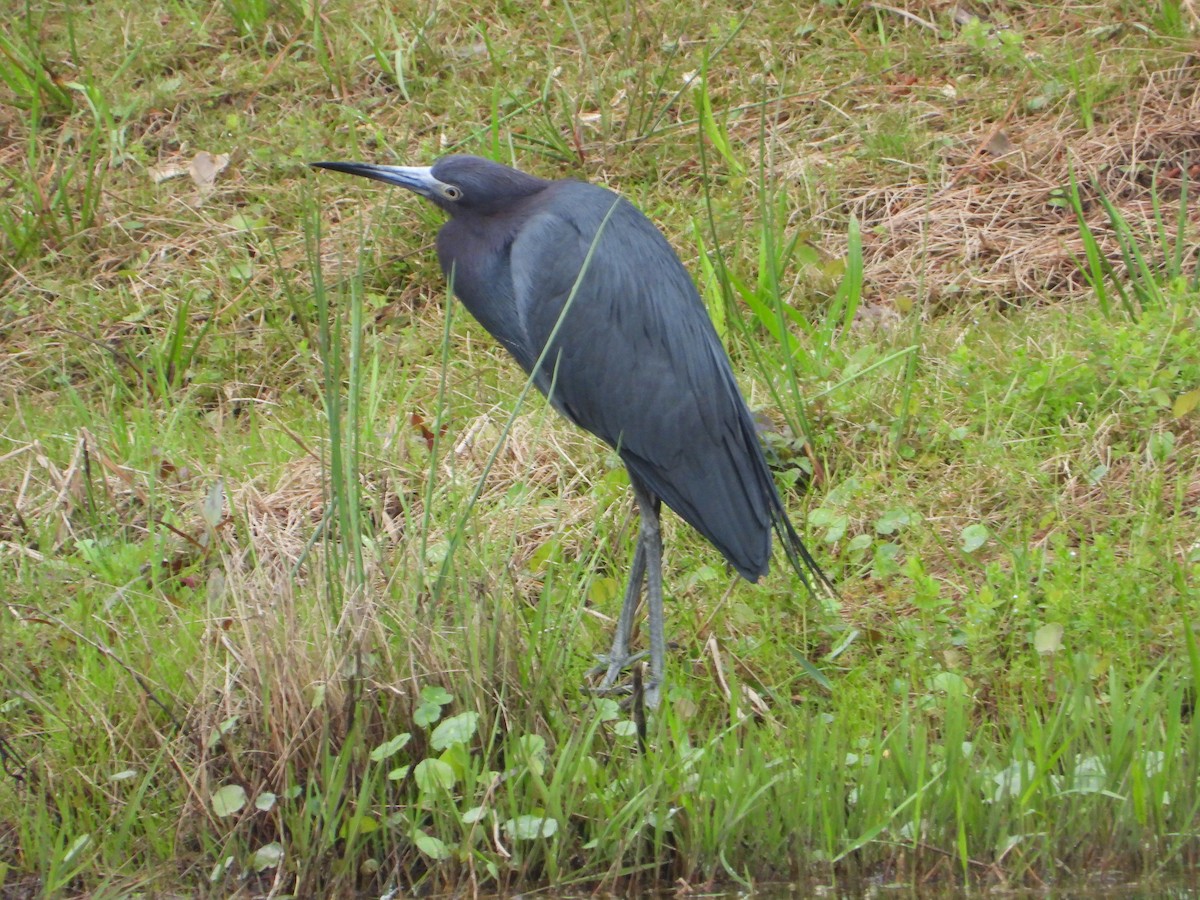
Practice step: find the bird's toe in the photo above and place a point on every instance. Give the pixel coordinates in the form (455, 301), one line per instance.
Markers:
(653, 695)
(612, 667)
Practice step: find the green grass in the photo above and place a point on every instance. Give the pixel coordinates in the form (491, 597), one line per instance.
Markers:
(301, 581)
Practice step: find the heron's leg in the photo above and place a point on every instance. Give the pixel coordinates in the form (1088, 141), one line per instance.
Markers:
(618, 657)
(650, 542)
(647, 561)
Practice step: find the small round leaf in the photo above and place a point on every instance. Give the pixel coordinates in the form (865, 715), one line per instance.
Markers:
(267, 856)
(434, 775)
(527, 828)
(974, 537)
(454, 730)
(1048, 638)
(229, 800)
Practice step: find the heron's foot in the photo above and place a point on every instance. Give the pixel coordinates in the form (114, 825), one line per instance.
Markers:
(653, 695)
(629, 695)
(611, 668)
(636, 693)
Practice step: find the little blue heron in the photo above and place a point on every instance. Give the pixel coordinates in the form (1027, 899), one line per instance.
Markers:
(592, 302)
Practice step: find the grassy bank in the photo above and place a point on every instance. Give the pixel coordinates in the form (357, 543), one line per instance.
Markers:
(300, 583)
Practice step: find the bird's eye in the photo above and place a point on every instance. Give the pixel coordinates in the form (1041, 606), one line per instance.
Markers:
(450, 192)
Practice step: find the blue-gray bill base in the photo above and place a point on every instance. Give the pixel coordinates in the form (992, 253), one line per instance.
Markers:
(591, 301)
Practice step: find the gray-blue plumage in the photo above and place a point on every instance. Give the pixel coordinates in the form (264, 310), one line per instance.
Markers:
(635, 359)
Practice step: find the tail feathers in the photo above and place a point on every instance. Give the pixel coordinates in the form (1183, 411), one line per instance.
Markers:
(816, 581)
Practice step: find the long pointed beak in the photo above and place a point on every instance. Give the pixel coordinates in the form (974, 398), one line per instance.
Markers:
(416, 178)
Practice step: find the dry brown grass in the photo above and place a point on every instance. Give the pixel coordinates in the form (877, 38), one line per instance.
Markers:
(992, 228)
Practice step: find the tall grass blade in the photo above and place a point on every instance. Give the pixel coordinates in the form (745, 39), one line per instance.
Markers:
(1099, 270)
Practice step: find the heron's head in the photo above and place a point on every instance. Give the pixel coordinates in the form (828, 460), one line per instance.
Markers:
(458, 184)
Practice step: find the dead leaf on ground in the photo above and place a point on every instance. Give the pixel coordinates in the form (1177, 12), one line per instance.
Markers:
(203, 168)
(206, 167)
(167, 171)
(999, 144)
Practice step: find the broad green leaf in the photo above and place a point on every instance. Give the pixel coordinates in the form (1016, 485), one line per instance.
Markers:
(433, 775)
(532, 750)
(974, 537)
(1048, 638)
(458, 758)
(427, 714)
(432, 847)
(532, 744)
(1161, 446)
(859, 543)
(267, 856)
(455, 730)
(228, 800)
(435, 693)
(474, 814)
(390, 748)
(606, 708)
(892, 520)
(820, 517)
(528, 828)
(1186, 403)
(243, 222)
(77, 847)
(359, 825)
(221, 730)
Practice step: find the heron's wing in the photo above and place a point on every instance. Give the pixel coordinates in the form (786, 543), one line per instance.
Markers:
(636, 361)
